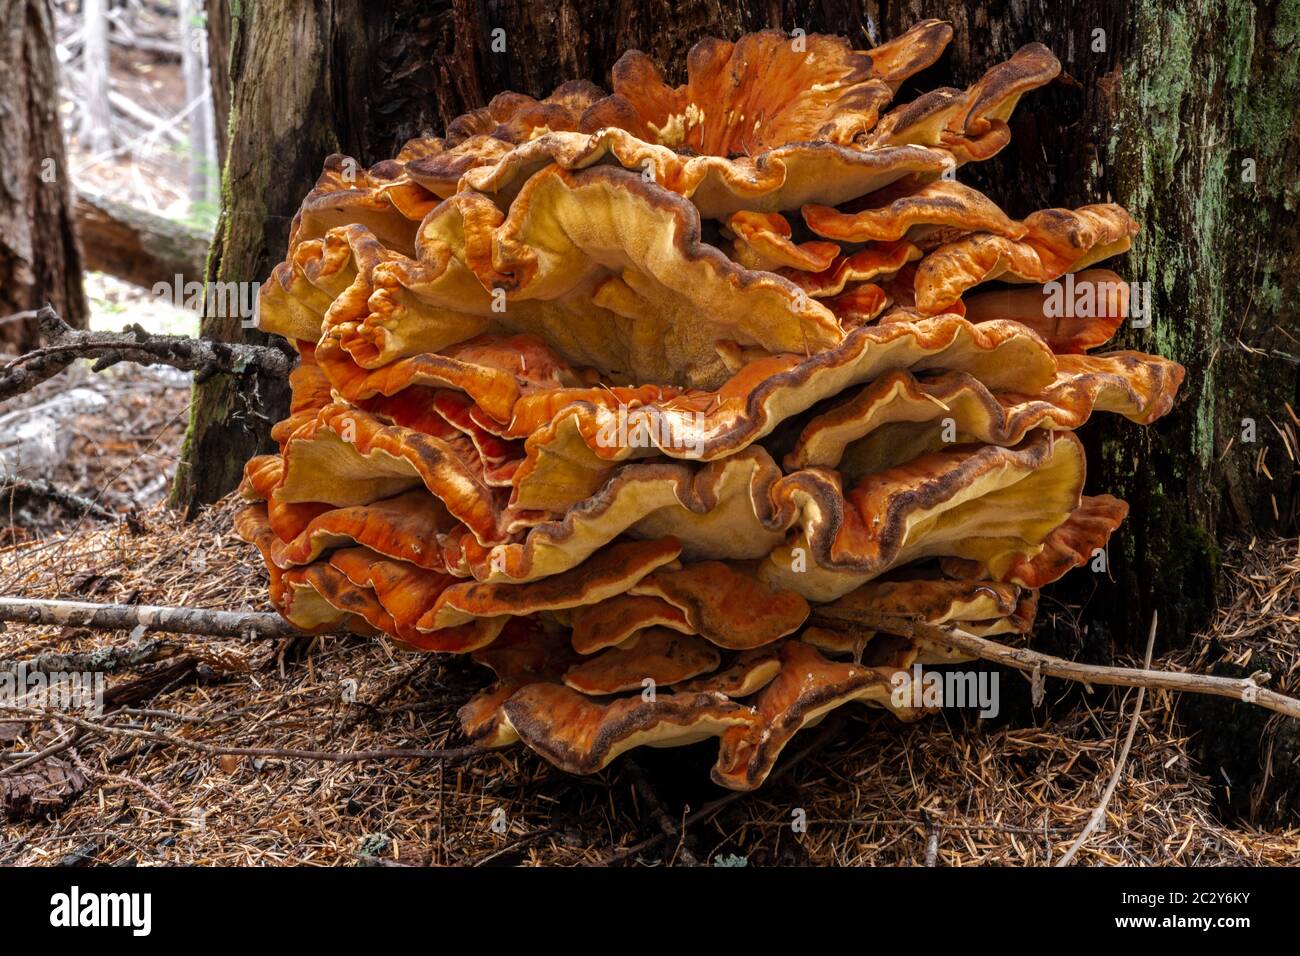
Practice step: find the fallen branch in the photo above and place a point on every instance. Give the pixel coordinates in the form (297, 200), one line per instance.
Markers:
(18, 317)
(25, 760)
(1099, 814)
(67, 344)
(153, 123)
(42, 488)
(165, 49)
(169, 620)
(103, 660)
(1023, 659)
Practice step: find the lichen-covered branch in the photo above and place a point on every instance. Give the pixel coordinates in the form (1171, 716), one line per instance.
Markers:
(66, 344)
(104, 660)
(170, 620)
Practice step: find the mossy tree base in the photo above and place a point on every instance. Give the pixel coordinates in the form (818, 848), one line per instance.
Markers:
(1159, 106)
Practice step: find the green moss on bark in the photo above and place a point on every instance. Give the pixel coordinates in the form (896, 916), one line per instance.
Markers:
(1206, 88)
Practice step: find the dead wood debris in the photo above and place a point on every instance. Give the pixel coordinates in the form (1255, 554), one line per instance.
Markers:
(111, 438)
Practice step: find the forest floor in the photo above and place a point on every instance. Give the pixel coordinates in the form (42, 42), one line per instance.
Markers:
(160, 779)
(113, 438)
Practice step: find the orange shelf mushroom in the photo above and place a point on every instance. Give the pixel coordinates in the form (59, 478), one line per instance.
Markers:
(609, 391)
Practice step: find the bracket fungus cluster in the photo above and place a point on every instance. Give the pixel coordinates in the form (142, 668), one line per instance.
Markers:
(609, 391)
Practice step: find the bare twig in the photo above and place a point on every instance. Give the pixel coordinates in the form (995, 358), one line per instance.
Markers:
(519, 844)
(1023, 659)
(109, 780)
(43, 488)
(1099, 814)
(104, 780)
(26, 760)
(170, 620)
(132, 345)
(931, 841)
(152, 122)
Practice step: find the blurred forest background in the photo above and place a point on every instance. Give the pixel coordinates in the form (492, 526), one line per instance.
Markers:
(111, 135)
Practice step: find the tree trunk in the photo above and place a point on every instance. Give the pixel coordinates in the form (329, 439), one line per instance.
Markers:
(97, 115)
(1160, 106)
(297, 86)
(1157, 108)
(218, 20)
(1210, 165)
(39, 261)
(361, 78)
(198, 84)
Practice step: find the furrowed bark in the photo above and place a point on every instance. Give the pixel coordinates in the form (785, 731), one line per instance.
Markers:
(39, 261)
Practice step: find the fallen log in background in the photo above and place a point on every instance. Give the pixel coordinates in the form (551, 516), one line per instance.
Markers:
(34, 440)
(42, 488)
(137, 246)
